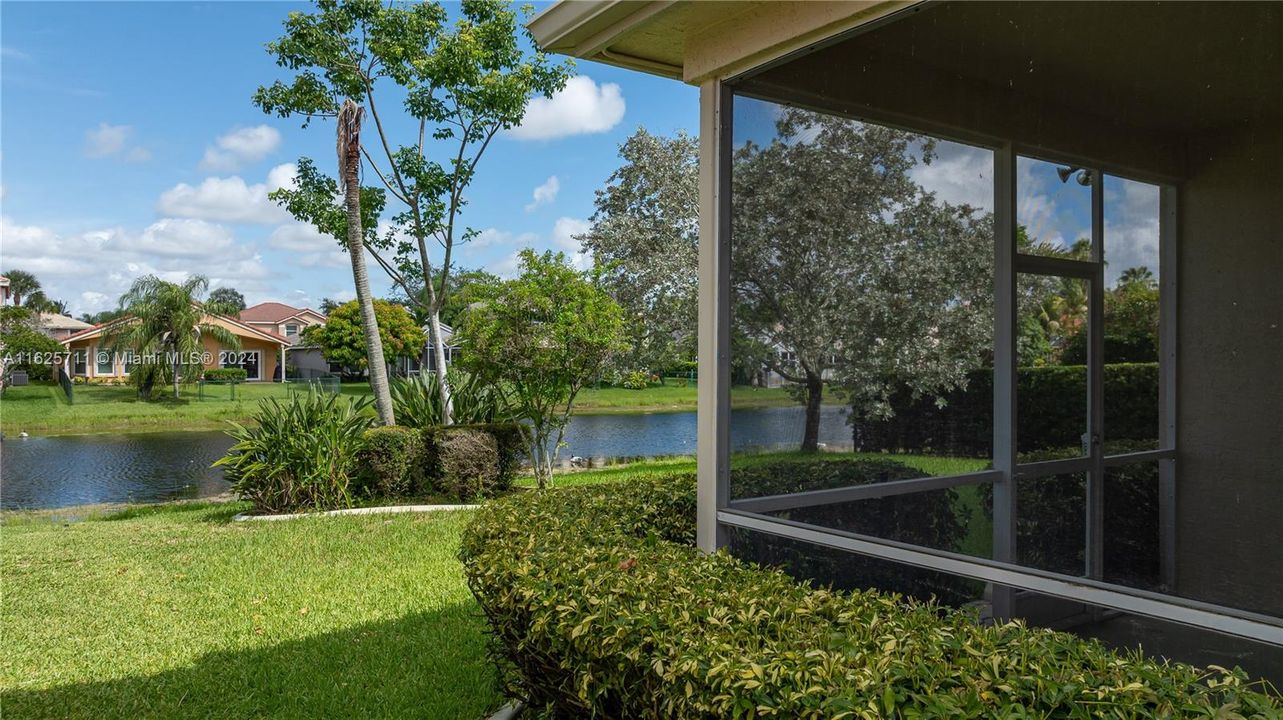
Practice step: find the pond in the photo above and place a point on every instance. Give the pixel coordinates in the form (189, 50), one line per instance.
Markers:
(60, 471)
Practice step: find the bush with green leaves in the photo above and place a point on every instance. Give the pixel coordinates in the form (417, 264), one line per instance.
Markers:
(933, 519)
(301, 454)
(469, 462)
(636, 380)
(392, 462)
(600, 607)
(232, 375)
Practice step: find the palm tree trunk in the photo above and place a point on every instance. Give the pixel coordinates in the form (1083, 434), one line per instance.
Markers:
(176, 366)
(349, 150)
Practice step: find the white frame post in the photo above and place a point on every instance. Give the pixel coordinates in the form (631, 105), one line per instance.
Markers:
(713, 423)
(1004, 371)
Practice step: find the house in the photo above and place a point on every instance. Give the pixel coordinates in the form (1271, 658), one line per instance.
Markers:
(59, 327)
(4, 289)
(289, 322)
(408, 366)
(261, 353)
(1180, 104)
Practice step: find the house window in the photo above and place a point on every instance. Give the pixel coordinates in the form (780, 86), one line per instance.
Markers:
(291, 331)
(103, 363)
(334, 367)
(247, 360)
(80, 363)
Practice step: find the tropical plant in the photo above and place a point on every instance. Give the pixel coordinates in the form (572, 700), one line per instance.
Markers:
(417, 400)
(300, 454)
(22, 285)
(166, 317)
(460, 84)
(542, 337)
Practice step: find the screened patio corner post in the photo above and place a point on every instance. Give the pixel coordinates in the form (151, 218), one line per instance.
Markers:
(714, 398)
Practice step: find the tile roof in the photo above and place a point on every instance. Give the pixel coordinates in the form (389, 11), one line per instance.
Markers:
(269, 312)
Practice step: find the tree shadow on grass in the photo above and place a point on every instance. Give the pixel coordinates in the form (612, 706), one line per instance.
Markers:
(426, 665)
(219, 513)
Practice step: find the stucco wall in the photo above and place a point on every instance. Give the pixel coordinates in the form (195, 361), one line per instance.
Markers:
(1230, 372)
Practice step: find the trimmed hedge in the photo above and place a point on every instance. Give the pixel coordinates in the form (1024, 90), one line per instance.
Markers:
(599, 607)
(392, 462)
(226, 374)
(1051, 407)
(931, 519)
(462, 462)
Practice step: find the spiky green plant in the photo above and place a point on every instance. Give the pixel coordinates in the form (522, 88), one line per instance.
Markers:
(417, 401)
(302, 455)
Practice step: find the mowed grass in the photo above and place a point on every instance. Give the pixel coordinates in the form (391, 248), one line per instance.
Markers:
(177, 612)
(44, 409)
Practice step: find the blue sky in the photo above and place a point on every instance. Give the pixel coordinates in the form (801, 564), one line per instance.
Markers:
(129, 145)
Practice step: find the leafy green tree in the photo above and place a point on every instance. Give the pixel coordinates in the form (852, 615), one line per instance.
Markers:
(327, 305)
(845, 267)
(645, 238)
(342, 337)
(163, 317)
(542, 337)
(459, 84)
(23, 346)
(226, 301)
(101, 317)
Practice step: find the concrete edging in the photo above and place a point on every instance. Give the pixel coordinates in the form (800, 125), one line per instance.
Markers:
(383, 510)
(511, 711)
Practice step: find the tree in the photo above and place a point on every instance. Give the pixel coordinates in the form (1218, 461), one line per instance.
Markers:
(101, 317)
(842, 266)
(459, 84)
(23, 346)
(542, 337)
(342, 338)
(327, 305)
(22, 284)
(226, 301)
(166, 317)
(645, 238)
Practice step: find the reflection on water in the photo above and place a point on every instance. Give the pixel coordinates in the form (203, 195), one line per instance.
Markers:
(50, 472)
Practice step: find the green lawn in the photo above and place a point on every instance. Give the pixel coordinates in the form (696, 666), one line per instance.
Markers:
(43, 409)
(174, 611)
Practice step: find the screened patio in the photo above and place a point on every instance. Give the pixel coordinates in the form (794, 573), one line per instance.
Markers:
(1021, 263)
(1126, 484)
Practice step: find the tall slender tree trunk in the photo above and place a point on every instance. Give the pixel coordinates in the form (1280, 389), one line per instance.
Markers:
(176, 366)
(349, 152)
(814, 393)
(443, 385)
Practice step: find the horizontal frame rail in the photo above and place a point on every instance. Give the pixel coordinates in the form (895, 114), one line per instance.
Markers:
(811, 498)
(1080, 464)
(1056, 266)
(1225, 620)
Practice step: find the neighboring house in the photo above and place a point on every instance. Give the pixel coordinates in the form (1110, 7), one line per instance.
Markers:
(289, 322)
(4, 289)
(59, 327)
(1184, 99)
(412, 366)
(260, 354)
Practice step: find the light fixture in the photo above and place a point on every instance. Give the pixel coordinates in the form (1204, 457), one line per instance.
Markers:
(1084, 176)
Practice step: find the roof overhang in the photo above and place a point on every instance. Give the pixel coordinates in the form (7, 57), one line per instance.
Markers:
(695, 41)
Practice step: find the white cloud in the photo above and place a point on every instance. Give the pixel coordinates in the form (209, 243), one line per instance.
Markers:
(545, 193)
(959, 175)
(493, 237)
(580, 108)
(240, 147)
(108, 140)
(564, 233)
(91, 269)
(228, 199)
(1131, 227)
(310, 247)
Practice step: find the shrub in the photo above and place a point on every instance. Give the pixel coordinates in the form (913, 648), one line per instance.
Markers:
(1049, 404)
(636, 380)
(302, 455)
(416, 401)
(463, 462)
(599, 607)
(392, 462)
(226, 375)
(931, 519)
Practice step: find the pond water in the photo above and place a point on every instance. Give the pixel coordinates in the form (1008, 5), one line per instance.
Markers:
(60, 471)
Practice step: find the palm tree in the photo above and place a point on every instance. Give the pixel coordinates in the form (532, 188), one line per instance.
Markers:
(162, 316)
(348, 145)
(22, 284)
